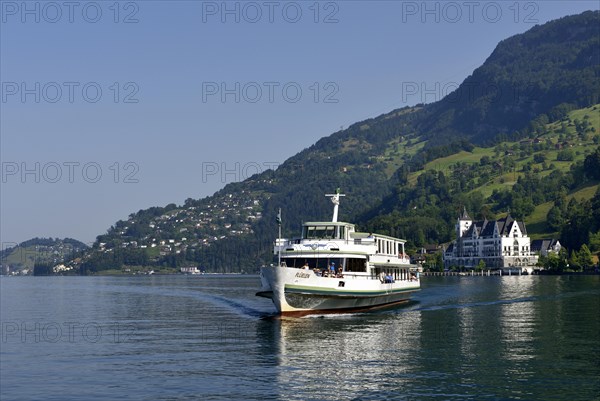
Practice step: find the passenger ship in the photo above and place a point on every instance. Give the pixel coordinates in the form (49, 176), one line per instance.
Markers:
(332, 268)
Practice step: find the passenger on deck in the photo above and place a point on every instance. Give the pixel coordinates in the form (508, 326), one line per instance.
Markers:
(332, 269)
(339, 273)
(306, 267)
(388, 278)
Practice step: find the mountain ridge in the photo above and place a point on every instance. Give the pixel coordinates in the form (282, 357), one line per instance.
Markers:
(372, 158)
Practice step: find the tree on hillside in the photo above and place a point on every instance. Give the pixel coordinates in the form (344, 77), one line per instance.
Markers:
(565, 155)
(575, 232)
(591, 165)
(574, 263)
(555, 218)
(585, 257)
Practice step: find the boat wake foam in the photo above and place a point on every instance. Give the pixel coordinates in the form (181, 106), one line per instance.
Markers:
(237, 307)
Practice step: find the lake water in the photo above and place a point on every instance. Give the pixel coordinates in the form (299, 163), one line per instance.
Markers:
(210, 338)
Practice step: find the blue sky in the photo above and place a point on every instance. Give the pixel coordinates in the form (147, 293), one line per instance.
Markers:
(108, 107)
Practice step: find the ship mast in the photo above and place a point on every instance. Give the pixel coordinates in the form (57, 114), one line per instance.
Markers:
(335, 199)
(279, 239)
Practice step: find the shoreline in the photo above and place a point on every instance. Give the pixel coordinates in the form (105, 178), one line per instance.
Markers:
(496, 273)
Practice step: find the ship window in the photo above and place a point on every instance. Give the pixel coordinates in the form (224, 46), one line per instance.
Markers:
(321, 263)
(320, 232)
(299, 262)
(291, 262)
(325, 263)
(356, 265)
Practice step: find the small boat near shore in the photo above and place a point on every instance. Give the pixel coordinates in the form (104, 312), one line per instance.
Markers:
(331, 268)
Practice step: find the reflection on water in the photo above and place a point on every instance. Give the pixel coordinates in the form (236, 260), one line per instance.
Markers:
(518, 322)
(338, 356)
(176, 338)
(467, 339)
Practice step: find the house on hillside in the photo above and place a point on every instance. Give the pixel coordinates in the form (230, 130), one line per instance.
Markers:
(542, 247)
(500, 244)
(190, 270)
(420, 257)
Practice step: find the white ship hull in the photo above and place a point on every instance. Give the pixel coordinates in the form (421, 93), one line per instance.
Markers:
(299, 292)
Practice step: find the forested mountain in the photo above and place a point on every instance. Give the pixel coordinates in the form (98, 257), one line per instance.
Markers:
(526, 80)
(407, 172)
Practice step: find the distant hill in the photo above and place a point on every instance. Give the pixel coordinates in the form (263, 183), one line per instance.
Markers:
(21, 258)
(533, 104)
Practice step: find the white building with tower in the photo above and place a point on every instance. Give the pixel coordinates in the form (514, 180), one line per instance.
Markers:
(500, 244)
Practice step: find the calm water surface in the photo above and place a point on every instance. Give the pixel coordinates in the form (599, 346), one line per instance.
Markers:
(210, 338)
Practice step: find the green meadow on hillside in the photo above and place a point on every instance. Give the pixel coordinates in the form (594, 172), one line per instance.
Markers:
(539, 154)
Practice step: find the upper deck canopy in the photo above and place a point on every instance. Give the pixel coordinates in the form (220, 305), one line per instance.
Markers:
(327, 230)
